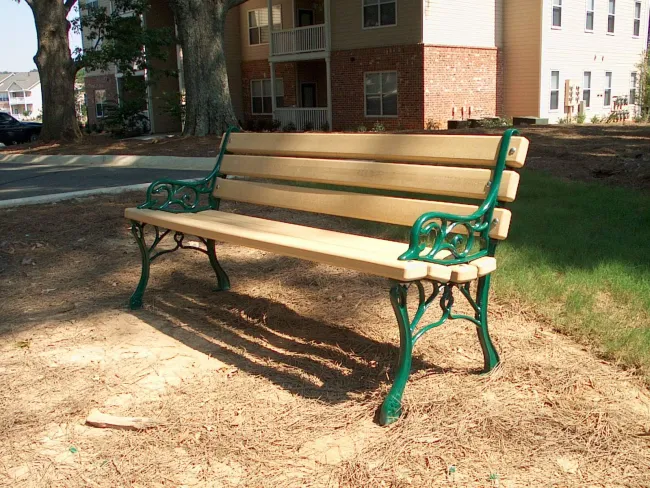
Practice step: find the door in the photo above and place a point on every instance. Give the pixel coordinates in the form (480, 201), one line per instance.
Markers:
(305, 17)
(308, 95)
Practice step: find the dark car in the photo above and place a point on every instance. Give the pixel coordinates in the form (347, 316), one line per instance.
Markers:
(13, 131)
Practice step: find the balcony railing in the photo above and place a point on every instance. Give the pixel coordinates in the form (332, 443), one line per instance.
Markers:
(299, 40)
(19, 99)
(302, 118)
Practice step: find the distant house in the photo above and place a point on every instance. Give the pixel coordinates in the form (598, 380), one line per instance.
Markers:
(20, 94)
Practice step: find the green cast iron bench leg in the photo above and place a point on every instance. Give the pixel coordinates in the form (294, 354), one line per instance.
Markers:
(137, 229)
(391, 408)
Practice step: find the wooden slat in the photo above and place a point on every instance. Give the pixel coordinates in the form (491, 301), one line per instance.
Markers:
(401, 148)
(375, 257)
(462, 273)
(432, 180)
(391, 210)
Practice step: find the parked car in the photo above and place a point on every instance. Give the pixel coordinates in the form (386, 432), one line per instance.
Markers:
(13, 131)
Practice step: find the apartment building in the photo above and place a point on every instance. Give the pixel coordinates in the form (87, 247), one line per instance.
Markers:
(409, 64)
(20, 94)
(594, 45)
(104, 87)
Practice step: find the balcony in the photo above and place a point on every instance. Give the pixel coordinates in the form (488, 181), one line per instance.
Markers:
(300, 40)
(303, 118)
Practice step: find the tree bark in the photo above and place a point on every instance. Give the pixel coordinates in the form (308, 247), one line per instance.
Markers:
(56, 69)
(201, 25)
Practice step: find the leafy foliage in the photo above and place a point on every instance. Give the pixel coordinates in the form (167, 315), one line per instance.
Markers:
(118, 37)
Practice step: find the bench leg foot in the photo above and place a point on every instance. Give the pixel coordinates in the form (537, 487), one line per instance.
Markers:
(135, 302)
(490, 355)
(223, 282)
(391, 409)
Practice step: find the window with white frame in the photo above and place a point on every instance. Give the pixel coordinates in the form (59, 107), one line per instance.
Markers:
(381, 94)
(378, 13)
(637, 19)
(611, 16)
(261, 98)
(258, 24)
(100, 103)
(633, 83)
(557, 13)
(586, 88)
(92, 4)
(589, 20)
(607, 97)
(555, 90)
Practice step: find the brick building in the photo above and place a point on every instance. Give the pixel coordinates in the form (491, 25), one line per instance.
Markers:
(407, 64)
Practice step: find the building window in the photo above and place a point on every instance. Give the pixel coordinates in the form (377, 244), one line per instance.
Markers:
(555, 90)
(381, 94)
(637, 19)
(586, 89)
(608, 89)
(589, 22)
(261, 101)
(378, 13)
(4, 97)
(557, 13)
(258, 24)
(633, 82)
(92, 4)
(100, 103)
(611, 16)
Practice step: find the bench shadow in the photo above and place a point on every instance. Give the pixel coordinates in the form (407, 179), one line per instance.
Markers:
(311, 358)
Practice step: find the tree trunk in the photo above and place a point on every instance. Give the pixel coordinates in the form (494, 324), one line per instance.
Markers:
(201, 24)
(56, 70)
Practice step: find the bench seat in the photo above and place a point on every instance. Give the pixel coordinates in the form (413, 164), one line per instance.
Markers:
(364, 254)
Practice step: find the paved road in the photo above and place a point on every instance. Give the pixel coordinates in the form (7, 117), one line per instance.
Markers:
(28, 180)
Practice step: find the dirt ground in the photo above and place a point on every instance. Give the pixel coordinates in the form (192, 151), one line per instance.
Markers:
(612, 154)
(275, 383)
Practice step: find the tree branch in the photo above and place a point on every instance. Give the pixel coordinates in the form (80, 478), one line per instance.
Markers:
(233, 3)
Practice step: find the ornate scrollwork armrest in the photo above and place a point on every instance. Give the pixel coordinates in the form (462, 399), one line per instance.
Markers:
(435, 232)
(180, 196)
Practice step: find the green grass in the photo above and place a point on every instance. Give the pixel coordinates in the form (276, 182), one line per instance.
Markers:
(580, 255)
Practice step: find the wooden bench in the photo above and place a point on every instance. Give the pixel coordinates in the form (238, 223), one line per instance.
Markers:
(452, 243)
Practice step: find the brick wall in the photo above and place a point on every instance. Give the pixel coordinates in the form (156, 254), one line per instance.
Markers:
(100, 82)
(461, 77)
(260, 70)
(348, 102)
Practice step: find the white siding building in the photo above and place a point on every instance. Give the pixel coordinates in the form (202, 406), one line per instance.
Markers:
(597, 44)
(20, 95)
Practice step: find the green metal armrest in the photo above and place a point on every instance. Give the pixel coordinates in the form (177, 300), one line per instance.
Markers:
(184, 196)
(437, 231)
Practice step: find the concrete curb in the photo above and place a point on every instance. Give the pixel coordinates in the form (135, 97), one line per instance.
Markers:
(113, 161)
(59, 197)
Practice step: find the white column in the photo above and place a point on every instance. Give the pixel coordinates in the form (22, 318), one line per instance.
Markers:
(328, 40)
(273, 100)
(270, 10)
(329, 87)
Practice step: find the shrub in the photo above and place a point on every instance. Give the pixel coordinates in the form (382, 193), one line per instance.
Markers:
(265, 125)
(309, 126)
(93, 127)
(432, 125)
(325, 127)
(378, 127)
(126, 119)
(289, 127)
(362, 128)
(596, 120)
(563, 120)
(496, 122)
(275, 125)
(580, 118)
(250, 125)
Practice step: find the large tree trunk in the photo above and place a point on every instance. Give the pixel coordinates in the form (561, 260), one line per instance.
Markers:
(201, 25)
(56, 70)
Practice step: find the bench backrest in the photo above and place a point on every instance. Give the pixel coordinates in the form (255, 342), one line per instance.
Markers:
(422, 166)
